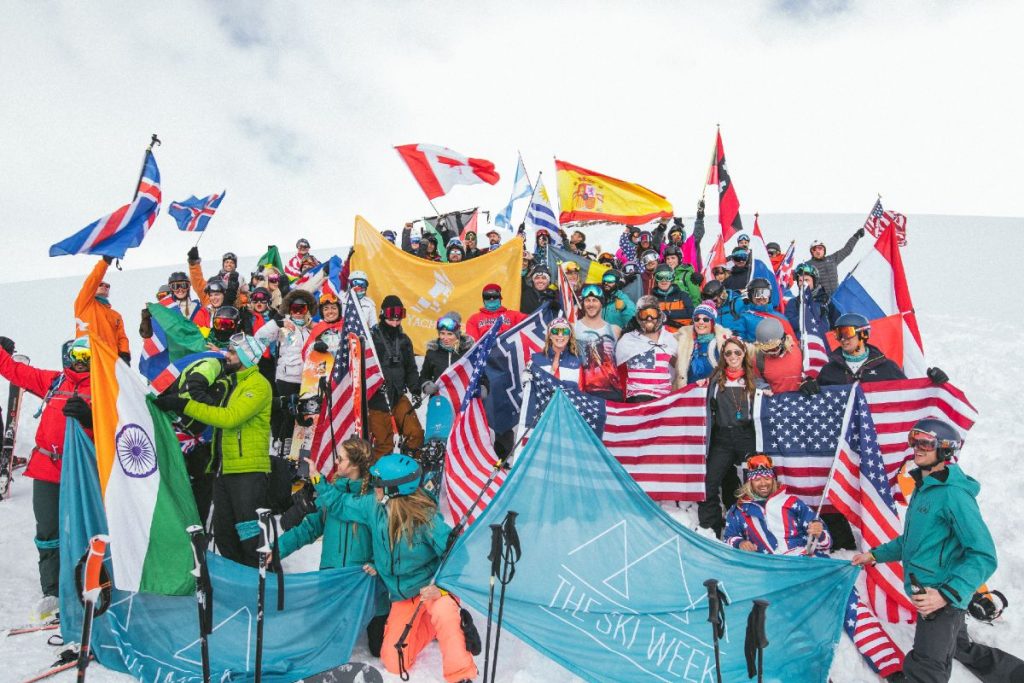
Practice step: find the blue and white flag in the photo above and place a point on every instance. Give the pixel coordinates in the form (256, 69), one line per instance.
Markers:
(611, 587)
(521, 189)
(194, 214)
(124, 229)
(505, 367)
(540, 215)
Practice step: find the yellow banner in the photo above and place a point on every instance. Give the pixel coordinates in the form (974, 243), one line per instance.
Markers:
(588, 196)
(429, 289)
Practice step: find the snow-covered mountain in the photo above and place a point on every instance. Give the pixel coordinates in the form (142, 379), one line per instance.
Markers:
(969, 330)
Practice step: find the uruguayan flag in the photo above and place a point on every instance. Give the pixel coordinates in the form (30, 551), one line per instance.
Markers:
(520, 188)
(540, 215)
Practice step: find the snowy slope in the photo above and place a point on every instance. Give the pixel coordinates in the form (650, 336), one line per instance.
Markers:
(961, 323)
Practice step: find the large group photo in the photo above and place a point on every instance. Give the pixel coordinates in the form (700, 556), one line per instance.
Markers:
(353, 381)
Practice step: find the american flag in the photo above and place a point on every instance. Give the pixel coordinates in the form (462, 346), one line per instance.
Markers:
(455, 382)
(194, 214)
(812, 336)
(784, 273)
(660, 443)
(860, 489)
(471, 460)
(649, 374)
(869, 636)
(567, 296)
(337, 414)
(124, 229)
(879, 220)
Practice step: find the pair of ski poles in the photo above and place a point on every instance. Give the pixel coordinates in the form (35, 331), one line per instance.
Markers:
(756, 640)
(505, 552)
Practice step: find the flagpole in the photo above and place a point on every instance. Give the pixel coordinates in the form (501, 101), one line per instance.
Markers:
(714, 159)
(154, 140)
(812, 543)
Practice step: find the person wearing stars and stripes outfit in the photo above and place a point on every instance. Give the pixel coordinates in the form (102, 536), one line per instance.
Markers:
(646, 356)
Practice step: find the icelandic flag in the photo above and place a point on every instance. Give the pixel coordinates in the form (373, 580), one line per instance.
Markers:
(540, 215)
(521, 189)
(124, 229)
(194, 214)
(877, 289)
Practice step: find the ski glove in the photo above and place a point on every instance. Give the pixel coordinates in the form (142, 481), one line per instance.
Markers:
(810, 387)
(193, 255)
(700, 209)
(77, 408)
(430, 388)
(697, 278)
(417, 401)
(320, 346)
(482, 392)
(937, 376)
(171, 403)
(860, 233)
(7, 344)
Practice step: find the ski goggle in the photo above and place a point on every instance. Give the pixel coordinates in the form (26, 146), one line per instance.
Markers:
(928, 442)
(560, 331)
(225, 324)
(761, 293)
(610, 279)
(448, 325)
(760, 466)
(80, 354)
(393, 313)
(179, 286)
(591, 290)
(273, 278)
(649, 314)
(846, 332)
(492, 296)
(572, 267)
(298, 307)
(663, 277)
(359, 283)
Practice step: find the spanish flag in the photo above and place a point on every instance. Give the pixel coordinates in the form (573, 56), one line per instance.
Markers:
(146, 492)
(588, 196)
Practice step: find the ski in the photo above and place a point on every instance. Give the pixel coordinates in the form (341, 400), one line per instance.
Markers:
(352, 672)
(68, 660)
(32, 628)
(7, 466)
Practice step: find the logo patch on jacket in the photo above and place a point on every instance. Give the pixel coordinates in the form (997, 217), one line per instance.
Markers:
(249, 394)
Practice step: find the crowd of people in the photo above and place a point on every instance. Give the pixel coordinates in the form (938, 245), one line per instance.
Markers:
(648, 327)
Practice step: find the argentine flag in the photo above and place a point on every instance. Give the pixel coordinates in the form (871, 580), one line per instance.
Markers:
(521, 188)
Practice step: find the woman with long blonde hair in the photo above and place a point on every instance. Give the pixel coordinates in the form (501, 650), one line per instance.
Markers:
(561, 356)
(409, 537)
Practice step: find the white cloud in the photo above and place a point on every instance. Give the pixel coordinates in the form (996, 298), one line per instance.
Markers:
(294, 108)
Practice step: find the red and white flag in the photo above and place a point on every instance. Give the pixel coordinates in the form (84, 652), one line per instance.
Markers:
(567, 296)
(880, 220)
(470, 462)
(438, 169)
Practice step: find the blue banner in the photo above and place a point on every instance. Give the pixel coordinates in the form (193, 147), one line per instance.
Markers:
(156, 638)
(611, 587)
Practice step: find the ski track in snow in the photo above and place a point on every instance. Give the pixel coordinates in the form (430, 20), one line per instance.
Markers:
(961, 327)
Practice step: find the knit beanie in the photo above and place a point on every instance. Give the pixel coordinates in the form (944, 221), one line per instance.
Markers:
(707, 308)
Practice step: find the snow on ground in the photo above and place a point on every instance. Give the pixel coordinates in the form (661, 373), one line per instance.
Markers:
(968, 330)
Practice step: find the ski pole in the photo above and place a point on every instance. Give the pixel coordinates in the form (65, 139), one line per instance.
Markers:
(760, 612)
(716, 617)
(511, 555)
(264, 519)
(495, 558)
(204, 594)
(92, 588)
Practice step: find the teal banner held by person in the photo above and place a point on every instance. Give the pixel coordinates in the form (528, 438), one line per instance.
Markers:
(611, 587)
(156, 638)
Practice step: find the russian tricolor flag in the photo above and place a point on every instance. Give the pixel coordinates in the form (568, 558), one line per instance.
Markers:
(877, 289)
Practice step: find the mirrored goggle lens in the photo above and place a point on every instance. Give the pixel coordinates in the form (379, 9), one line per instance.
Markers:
(560, 331)
(663, 277)
(80, 354)
(761, 293)
(591, 290)
(179, 286)
(224, 324)
(359, 282)
(298, 307)
(922, 440)
(273, 278)
(846, 332)
(394, 313)
(447, 324)
(649, 314)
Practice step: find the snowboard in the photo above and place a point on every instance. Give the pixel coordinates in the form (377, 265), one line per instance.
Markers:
(14, 396)
(316, 366)
(353, 672)
(440, 416)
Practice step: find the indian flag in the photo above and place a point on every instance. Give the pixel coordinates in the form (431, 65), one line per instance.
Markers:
(146, 491)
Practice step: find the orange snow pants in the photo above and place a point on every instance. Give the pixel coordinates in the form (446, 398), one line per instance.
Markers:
(437, 619)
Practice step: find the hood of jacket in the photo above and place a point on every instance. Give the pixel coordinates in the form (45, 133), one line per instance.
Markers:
(955, 477)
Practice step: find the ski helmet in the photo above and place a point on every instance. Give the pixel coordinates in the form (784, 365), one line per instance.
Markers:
(759, 287)
(177, 276)
(358, 278)
(327, 297)
(739, 254)
(229, 256)
(673, 250)
(744, 237)
(303, 242)
(649, 256)
(163, 291)
(215, 285)
(937, 434)
(397, 475)
(248, 348)
(226, 320)
(260, 295)
(850, 324)
(389, 235)
(712, 290)
(807, 269)
(645, 236)
(611, 277)
(453, 242)
(818, 243)
(630, 268)
(769, 335)
(76, 351)
(773, 245)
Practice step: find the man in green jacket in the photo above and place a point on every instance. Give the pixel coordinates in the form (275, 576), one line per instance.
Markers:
(241, 448)
(947, 552)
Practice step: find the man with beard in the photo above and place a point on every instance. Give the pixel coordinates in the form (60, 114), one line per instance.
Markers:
(647, 355)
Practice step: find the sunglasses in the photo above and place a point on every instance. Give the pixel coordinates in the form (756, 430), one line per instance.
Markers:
(732, 352)
(224, 324)
(702, 319)
(492, 296)
(179, 286)
(447, 324)
(560, 331)
(666, 277)
(273, 278)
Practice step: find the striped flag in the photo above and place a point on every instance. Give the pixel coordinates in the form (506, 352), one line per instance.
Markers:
(540, 215)
(879, 220)
(172, 371)
(660, 443)
(567, 297)
(728, 202)
(116, 233)
(194, 214)
(338, 416)
(784, 273)
(811, 335)
(459, 382)
(860, 490)
(470, 462)
(867, 633)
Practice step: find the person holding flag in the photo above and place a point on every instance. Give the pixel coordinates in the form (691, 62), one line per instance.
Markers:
(646, 355)
(817, 297)
(95, 316)
(65, 393)
(241, 458)
(294, 268)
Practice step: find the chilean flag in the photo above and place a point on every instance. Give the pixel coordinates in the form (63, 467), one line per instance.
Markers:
(118, 232)
(438, 169)
(877, 289)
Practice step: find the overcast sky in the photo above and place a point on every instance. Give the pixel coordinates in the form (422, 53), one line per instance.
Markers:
(294, 109)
